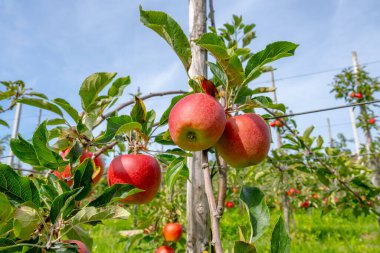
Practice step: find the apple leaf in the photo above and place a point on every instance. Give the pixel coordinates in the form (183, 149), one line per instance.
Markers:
(280, 241)
(5, 243)
(118, 86)
(164, 138)
(83, 178)
(37, 94)
(128, 127)
(68, 108)
(243, 247)
(114, 193)
(41, 103)
(219, 75)
(138, 112)
(208, 87)
(165, 115)
(175, 169)
(63, 204)
(91, 214)
(6, 209)
(46, 156)
(272, 52)
(92, 86)
(24, 151)
(17, 188)
(257, 209)
(78, 233)
(57, 121)
(170, 31)
(26, 220)
(113, 125)
(230, 64)
(3, 123)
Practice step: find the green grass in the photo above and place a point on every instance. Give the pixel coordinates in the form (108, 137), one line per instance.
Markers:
(313, 233)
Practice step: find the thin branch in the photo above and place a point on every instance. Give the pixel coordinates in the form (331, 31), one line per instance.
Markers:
(212, 205)
(222, 169)
(212, 13)
(104, 149)
(131, 102)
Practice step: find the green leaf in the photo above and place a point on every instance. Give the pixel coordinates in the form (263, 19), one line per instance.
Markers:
(148, 125)
(17, 188)
(307, 132)
(40, 103)
(37, 94)
(280, 242)
(46, 157)
(170, 31)
(117, 87)
(272, 52)
(138, 112)
(230, 64)
(243, 247)
(78, 233)
(257, 209)
(218, 73)
(63, 204)
(92, 86)
(113, 194)
(25, 222)
(176, 168)
(2, 122)
(6, 209)
(57, 121)
(83, 178)
(24, 151)
(128, 127)
(266, 102)
(164, 138)
(91, 214)
(113, 125)
(165, 115)
(5, 242)
(68, 108)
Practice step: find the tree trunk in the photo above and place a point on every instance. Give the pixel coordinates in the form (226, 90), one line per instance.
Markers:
(197, 212)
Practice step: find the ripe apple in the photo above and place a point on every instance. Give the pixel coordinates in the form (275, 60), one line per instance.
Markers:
(141, 171)
(305, 204)
(278, 123)
(352, 94)
(96, 175)
(272, 123)
(371, 121)
(172, 232)
(164, 249)
(196, 122)
(230, 204)
(359, 95)
(245, 140)
(291, 192)
(82, 248)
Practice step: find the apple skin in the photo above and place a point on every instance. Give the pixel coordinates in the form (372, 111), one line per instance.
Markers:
(82, 248)
(245, 141)
(196, 122)
(96, 175)
(164, 249)
(172, 232)
(141, 171)
(371, 121)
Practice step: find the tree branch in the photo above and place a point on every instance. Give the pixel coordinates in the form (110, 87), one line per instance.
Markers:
(130, 102)
(211, 202)
(222, 169)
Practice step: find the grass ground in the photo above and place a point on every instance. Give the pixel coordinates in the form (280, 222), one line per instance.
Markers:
(329, 234)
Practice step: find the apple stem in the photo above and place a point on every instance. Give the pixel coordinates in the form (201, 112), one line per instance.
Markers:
(212, 204)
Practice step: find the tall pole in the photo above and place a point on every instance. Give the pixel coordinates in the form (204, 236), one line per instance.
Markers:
(285, 198)
(197, 211)
(39, 116)
(16, 124)
(329, 130)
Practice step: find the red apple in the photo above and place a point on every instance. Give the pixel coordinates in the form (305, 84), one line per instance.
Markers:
(196, 122)
(291, 192)
(272, 123)
(96, 175)
(172, 232)
(371, 121)
(230, 204)
(245, 141)
(141, 171)
(359, 95)
(82, 248)
(305, 204)
(164, 249)
(278, 123)
(352, 94)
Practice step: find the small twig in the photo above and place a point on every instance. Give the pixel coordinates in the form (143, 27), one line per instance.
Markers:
(212, 13)
(104, 149)
(131, 102)
(212, 205)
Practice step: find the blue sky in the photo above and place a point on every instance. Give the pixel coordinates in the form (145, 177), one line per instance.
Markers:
(53, 45)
